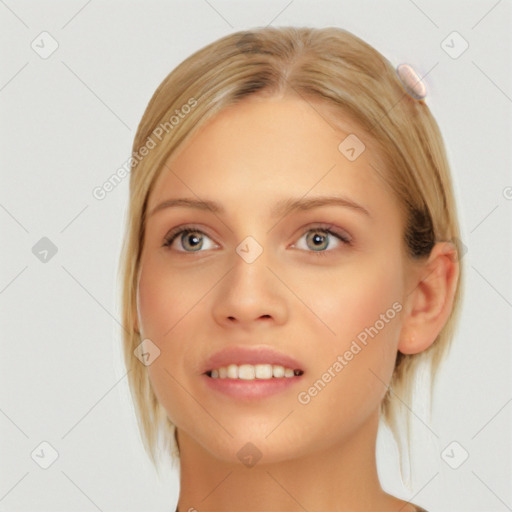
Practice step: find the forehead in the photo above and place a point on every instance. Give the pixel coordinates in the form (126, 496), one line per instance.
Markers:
(267, 148)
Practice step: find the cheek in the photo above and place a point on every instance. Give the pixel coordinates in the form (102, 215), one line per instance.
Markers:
(153, 305)
(163, 298)
(354, 297)
(361, 305)
(163, 307)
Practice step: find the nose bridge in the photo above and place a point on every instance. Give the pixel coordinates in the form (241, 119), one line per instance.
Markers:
(250, 289)
(250, 250)
(250, 267)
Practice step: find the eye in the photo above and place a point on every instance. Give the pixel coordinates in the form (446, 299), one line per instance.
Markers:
(317, 239)
(189, 238)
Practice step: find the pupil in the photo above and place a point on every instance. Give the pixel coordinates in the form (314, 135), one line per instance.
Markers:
(318, 239)
(196, 239)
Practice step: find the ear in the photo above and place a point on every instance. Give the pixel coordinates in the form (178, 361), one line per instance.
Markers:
(430, 300)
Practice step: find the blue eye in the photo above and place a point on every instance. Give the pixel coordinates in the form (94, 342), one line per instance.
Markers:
(192, 239)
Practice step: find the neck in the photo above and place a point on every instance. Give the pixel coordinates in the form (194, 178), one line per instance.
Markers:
(340, 478)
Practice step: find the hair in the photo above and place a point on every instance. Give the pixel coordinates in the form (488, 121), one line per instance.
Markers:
(348, 76)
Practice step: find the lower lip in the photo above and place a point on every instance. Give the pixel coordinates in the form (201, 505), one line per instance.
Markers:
(251, 389)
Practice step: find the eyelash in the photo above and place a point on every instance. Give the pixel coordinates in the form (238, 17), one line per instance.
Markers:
(169, 239)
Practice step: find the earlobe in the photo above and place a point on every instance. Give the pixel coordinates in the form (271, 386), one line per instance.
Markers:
(430, 302)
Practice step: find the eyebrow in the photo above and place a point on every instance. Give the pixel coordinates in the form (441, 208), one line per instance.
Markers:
(280, 209)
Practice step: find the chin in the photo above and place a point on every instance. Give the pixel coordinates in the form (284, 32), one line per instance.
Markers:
(254, 448)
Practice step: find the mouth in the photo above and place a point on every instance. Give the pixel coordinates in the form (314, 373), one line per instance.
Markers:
(253, 372)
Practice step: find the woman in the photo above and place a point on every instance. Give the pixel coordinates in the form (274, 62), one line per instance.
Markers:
(290, 261)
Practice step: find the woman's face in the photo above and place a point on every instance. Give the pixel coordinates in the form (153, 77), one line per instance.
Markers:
(253, 276)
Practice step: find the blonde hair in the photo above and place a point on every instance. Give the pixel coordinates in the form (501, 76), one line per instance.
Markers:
(350, 77)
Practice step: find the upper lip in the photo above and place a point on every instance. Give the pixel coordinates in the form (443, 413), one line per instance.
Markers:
(243, 355)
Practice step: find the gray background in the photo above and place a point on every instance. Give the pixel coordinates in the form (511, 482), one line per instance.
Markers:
(68, 122)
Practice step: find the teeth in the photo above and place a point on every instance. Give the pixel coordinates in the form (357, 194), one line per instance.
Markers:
(278, 371)
(246, 372)
(251, 372)
(232, 371)
(263, 371)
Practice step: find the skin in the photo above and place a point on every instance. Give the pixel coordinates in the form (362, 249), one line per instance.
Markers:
(315, 456)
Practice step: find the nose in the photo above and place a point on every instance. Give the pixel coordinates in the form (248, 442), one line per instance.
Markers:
(250, 294)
